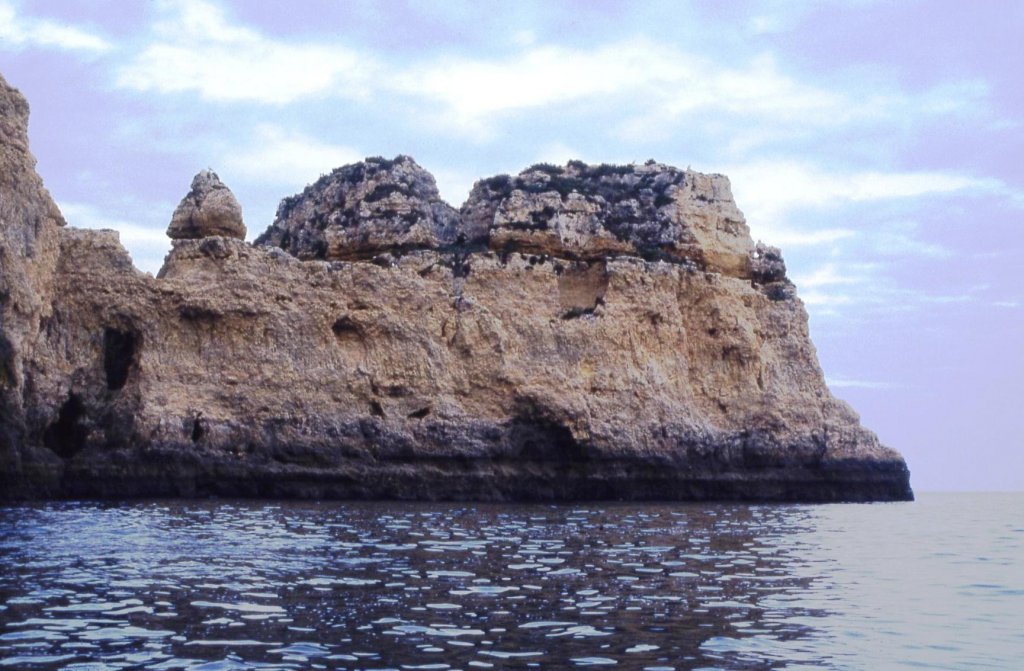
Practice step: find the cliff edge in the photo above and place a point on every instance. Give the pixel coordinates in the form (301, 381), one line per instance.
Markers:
(571, 332)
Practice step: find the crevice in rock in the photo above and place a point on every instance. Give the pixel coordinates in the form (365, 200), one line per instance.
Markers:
(420, 414)
(376, 409)
(199, 313)
(345, 328)
(8, 374)
(66, 436)
(198, 429)
(119, 356)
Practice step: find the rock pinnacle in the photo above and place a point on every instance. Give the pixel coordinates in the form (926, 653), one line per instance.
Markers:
(208, 209)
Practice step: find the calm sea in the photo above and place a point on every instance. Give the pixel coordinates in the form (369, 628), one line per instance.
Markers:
(938, 583)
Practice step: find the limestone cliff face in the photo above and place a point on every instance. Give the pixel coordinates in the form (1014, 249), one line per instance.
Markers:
(577, 332)
(29, 247)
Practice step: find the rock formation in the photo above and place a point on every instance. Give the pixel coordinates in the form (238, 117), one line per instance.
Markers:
(577, 332)
(208, 209)
(362, 210)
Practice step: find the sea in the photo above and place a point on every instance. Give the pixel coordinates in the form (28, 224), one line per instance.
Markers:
(221, 585)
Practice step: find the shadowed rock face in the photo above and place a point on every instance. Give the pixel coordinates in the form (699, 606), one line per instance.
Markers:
(586, 332)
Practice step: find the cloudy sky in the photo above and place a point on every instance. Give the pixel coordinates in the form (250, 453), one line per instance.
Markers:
(879, 144)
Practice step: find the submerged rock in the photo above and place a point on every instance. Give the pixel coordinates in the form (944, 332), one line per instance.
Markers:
(207, 210)
(586, 332)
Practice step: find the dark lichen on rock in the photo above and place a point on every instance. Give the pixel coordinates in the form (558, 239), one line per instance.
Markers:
(360, 210)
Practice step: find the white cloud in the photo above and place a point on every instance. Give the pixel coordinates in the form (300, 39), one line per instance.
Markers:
(847, 383)
(664, 81)
(147, 244)
(832, 284)
(840, 289)
(474, 89)
(453, 185)
(557, 153)
(901, 239)
(770, 191)
(789, 237)
(19, 31)
(282, 157)
(765, 24)
(196, 48)
(830, 275)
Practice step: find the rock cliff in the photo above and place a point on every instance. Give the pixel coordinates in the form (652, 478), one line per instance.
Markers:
(576, 332)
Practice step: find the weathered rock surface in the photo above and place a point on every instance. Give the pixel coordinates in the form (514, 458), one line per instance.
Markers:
(585, 212)
(208, 209)
(29, 247)
(362, 210)
(630, 342)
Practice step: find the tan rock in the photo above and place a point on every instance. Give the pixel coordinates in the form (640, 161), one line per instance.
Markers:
(208, 209)
(29, 229)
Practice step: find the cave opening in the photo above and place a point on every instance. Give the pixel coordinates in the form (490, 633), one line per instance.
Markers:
(118, 356)
(67, 435)
(540, 439)
(198, 430)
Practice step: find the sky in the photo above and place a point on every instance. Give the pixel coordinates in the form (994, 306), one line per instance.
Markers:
(879, 144)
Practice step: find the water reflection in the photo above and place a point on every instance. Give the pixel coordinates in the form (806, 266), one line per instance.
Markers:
(215, 586)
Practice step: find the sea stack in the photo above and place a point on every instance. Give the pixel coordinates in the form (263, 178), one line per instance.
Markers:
(570, 333)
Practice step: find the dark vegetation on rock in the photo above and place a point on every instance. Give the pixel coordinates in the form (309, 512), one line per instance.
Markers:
(362, 210)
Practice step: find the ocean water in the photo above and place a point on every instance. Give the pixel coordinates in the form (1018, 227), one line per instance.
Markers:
(223, 585)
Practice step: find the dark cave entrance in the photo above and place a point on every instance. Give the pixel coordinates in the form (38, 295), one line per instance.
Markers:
(539, 439)
(67, 435)
(118, 356)
(198, 430)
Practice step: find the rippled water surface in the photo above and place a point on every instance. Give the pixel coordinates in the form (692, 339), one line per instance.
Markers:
(237, 585)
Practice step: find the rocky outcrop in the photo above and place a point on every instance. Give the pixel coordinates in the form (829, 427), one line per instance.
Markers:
(586, 332)
(584, 212)
(208, 209)
(362, 210)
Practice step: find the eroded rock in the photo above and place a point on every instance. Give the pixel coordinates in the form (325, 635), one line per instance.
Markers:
(587, 212)
(209, 209)
(30, 226)
(362, 210)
